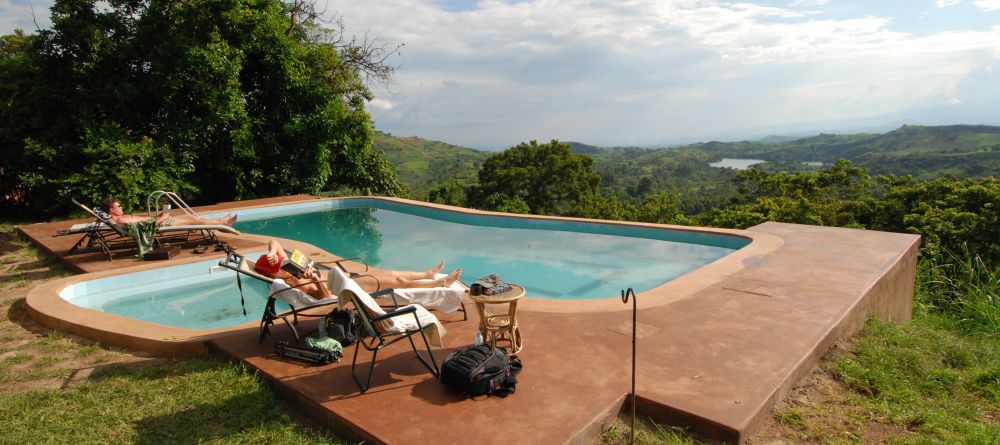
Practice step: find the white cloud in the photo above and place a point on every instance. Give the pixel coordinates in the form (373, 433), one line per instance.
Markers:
(946, 3)
(954, 101)
(614, 71)
(382, 104)
(809, 3)
(988, 5)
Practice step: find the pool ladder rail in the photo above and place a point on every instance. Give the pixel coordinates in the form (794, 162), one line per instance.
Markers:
(156, 200)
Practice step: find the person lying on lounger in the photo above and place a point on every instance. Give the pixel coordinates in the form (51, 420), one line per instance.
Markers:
(313, 282)
(114, 209)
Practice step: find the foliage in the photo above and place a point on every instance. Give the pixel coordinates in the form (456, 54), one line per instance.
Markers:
(424, 166)
(964, 287)
(950, 214)
(935, 384)
(239, 102)
(549, 178)
(840, 195)
(450, 193)
(500, 202)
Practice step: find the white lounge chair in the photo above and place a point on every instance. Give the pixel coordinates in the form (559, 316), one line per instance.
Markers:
(385, 328)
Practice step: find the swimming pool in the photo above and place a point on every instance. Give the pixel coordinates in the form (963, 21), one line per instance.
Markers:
(552, 258)
(199, 295)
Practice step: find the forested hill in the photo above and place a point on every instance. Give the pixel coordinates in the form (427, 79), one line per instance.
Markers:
(422, 164)
(962, 151)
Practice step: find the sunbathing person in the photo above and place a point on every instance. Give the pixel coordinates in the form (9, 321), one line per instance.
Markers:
(114, 209)
(313, 282)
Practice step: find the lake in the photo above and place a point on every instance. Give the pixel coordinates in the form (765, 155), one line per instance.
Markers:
(737, 163)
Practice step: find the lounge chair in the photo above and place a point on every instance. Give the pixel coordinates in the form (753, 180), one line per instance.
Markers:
(109, 236)
(385, 328)
(299, 302)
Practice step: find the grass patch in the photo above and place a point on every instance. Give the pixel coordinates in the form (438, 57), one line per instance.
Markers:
(87, 350)
(55, 342)
(618, 432)
(195, 401)
(936, 383)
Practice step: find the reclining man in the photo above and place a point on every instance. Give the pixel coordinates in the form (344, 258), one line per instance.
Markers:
(114, 209)
(313, 282)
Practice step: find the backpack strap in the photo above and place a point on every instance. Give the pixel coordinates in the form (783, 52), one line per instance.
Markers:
(507, 386)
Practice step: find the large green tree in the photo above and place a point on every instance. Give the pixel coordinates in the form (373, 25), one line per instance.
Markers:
(549, 178)
(222, 99)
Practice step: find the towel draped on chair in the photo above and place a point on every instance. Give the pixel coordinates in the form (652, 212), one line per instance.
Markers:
(340, 283)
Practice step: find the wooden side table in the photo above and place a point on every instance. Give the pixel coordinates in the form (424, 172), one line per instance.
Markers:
(501, 326)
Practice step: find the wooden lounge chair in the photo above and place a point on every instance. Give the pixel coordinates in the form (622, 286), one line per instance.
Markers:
(108, 236)
(384, 328)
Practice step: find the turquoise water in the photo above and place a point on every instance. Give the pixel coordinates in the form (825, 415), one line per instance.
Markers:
(557, 264)
(195, 296)
(552, 258)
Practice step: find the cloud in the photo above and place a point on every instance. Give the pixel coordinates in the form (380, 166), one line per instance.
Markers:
(382, 104)
(946, 3)
(988, 5)
(499, 72)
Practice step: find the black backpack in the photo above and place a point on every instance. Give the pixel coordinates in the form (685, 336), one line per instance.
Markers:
(343, 325)
(480, 370)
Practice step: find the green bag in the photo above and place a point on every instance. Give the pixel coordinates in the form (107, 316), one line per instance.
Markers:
(326, 344)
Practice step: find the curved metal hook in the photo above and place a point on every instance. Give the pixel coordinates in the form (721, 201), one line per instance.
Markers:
(626, 293)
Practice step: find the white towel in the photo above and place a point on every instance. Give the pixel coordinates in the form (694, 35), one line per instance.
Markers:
(340, 284)
(444, 299)
(295, 297)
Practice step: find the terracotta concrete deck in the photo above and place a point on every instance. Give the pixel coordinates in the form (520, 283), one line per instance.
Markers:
(715, 350)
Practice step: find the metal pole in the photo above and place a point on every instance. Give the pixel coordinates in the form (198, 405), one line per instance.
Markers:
(625, 298)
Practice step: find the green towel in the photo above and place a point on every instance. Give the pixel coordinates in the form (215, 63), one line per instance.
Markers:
(144, 234)
(325, 343)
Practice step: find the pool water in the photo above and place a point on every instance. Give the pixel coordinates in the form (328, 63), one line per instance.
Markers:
(195, 296)
(556, 264)
(556, 259)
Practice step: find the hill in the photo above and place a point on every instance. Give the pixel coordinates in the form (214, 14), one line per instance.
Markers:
(966, 151)
(962, 151)
(422, 164)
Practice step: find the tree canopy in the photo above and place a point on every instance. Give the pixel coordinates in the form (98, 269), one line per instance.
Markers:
(217, 99)
(548, 178)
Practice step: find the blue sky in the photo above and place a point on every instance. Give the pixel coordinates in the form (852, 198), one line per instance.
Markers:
(493, 73)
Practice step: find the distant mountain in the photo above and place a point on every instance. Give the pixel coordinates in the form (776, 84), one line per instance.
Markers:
(422, 164)
(963, 151)
(921, 151)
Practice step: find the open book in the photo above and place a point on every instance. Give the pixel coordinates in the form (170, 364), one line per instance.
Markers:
(298, 263)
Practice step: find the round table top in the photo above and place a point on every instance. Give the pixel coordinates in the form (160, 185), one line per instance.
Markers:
(513, 294)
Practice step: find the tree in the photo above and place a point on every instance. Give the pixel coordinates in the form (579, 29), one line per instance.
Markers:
(450, 193)
(230, 99)
(549, 178)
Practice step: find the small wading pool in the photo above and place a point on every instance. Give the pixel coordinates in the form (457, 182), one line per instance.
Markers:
(199, 295)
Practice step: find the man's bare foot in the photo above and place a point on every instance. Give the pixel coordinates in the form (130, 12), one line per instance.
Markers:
(453, 276)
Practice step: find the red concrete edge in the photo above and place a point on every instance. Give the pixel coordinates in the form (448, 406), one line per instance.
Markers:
(594, 428)
(876, 301)
(668, 415)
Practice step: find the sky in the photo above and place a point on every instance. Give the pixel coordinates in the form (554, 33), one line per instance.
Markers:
(493, 73)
